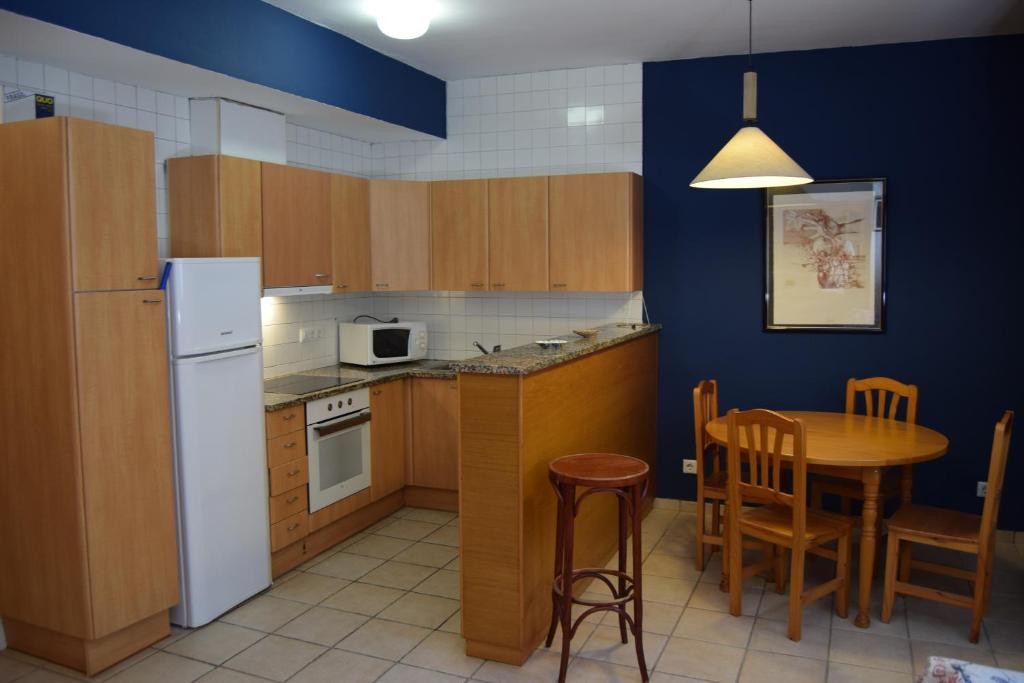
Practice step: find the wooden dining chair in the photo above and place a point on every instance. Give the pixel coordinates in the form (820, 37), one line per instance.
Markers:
(756, 437)
(943, 528)
(881, 398)
(710, 484)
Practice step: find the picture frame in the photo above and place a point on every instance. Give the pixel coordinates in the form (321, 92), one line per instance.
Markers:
(824, 256)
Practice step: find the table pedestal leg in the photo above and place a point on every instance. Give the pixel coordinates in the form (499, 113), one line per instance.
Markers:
(906, 484)
(871, 478)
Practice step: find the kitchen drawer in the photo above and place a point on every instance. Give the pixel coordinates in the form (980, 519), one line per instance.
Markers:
(285, 448)
(289, 530)
(288, 504)
(288, 476)
(281, 422)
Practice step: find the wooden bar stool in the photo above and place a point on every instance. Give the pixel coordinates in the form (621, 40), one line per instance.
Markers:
(626, 477)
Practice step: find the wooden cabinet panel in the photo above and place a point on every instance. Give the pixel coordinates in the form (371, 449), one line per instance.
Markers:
(435, 433)
(399, 235)
(287, 447)
(389, 406)
(288, 503)
(296, 226)
(350, 226)
(240, 188)
(112, 206)
(596, 228)
(126, 456)
(288, 475)
(289, 530)
(285, 420)
(458, 235)
(518, 234)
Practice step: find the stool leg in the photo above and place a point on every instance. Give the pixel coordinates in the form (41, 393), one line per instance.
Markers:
(638, 599)
(622, 564)
(559, 538)
(568, 503)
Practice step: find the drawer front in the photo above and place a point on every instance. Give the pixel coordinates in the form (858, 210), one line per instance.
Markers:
(288, 503)
(284, 448)
(290, 475)
(289, 530)
(281, 422)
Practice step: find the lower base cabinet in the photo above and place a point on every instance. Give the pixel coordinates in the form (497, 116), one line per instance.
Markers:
(389, 438)
(435, 434)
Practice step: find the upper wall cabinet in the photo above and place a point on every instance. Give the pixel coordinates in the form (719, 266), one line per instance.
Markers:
(350, 233)
(112, 206)
(296, 226)
(458, 233)
(596, 232)
(518, 234)
(214, 206)
(399, 235)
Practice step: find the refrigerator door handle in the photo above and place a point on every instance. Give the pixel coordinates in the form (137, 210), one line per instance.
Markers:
(217, 355)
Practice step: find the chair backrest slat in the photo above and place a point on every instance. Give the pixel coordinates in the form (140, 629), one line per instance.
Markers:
(996, 472)
(879, 408)
(705, 409)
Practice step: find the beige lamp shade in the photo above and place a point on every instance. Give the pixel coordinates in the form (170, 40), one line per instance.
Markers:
(749, 160)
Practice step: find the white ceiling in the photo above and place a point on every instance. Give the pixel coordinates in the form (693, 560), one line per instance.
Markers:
(489, 37)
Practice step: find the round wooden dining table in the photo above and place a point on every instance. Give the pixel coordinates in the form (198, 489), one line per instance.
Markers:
(860, 448)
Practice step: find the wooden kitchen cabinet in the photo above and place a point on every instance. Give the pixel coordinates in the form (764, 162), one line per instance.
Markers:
(435, 433)
(458, 235)
(350, 233)
(215, 206)
(596, 232)
(389, 426)
(518, 234)
(399, 235)
(112, 207)
(296, 206)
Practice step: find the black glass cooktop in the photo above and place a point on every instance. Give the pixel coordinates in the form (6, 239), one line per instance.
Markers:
(302, 384)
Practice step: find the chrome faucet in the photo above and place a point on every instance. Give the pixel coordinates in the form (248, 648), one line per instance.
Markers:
(481, 347)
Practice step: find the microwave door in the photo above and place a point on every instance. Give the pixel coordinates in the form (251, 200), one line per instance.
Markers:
(390, 343)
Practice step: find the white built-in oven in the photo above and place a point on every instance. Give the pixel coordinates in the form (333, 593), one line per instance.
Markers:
(338, 443)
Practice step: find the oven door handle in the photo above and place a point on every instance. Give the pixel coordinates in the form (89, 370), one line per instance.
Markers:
(344, 424)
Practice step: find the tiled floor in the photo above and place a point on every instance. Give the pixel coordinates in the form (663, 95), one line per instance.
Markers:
(383, 606)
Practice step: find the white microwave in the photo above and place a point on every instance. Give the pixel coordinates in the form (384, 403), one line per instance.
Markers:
(381, 343)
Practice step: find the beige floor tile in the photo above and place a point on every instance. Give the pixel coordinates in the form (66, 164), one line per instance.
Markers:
(662, 677)
(401, 673)
(697, 659)
(445, 583)
(676, 546)
(541, 667)
(427, 554)
(215, 643)
(605, 644)
(594, 671)
(11, 668)
(335, 665)
(714, 627)
(408, 529)
(845, 673)
(103, 676)
(309, 588)
(949, 628)
(385, 639)
(1010, 660)
(381, 547)
(770, 636)
(46, 676)
(1007, 607)
(872, 651)
(398, 575)
(275, 658)
(922, 650)
(671, 566)
(229, 676)
(346, 566)
(163, 667)
(453, 624)
(431, 516)
(708, 596)
(658, 617)
(446, 535)
(322, 626)
(896, 628)
(456, 564)
(668, 591)
(767, 667)
(362, 598)
(177, 633)
(428, 611)
(265, 613)
(776, 607)
(443, 652)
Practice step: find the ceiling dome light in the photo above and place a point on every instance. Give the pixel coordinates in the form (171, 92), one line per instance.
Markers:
(404, 19)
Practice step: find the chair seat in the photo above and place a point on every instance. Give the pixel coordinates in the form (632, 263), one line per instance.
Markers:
(777, 520)
(598, 470)
(936, 522)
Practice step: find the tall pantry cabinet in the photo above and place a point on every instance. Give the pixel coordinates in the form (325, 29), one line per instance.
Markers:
(88, 560)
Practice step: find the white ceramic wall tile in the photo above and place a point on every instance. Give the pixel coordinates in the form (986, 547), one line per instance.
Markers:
(326, 151)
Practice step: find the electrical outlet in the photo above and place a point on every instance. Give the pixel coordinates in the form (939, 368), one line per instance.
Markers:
(689, 467)
(982, 489)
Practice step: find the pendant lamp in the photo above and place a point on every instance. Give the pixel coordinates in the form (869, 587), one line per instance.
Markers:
(750, 159)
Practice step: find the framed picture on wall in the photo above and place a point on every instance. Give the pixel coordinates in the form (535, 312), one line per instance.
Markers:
(825, 256)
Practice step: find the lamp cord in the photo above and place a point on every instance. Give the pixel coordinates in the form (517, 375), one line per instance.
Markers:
(750, 32)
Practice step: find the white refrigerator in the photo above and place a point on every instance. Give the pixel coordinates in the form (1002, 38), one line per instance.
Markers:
(215, 337)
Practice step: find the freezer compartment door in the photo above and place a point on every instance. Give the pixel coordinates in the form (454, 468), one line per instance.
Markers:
(214, 305)
(221, 483)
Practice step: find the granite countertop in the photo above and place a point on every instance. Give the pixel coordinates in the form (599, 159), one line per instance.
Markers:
(523, 360)
(364, 377)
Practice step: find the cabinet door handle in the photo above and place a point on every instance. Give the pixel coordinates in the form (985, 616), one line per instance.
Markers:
(292, 500)
(382, 284)
(290, 445)
(341, 286)
(319, 276)
(147, 277)
(376, 392)
(293, 473)
(288, 417)
(476, 284)
(152, 301)
(293, 527)
(558, 284)
(497, 284)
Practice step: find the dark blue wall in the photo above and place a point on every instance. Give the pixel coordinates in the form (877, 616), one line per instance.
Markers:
(262, 44)
(943, 122)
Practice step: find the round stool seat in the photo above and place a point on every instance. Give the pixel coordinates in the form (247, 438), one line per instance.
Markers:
(599, 470)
